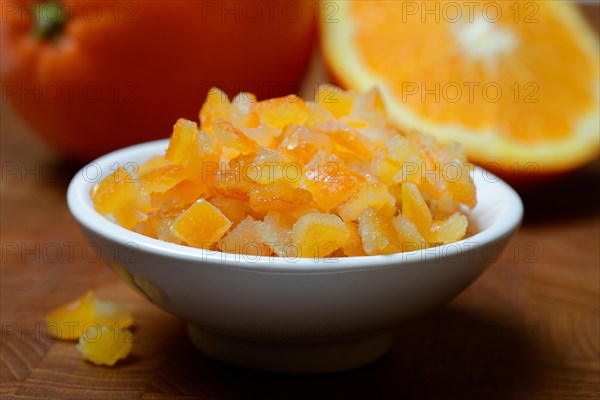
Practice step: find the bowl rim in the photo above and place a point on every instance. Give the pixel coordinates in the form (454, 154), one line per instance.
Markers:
(80, 205)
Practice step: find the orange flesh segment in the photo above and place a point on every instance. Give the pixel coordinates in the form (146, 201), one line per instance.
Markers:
(412, 60)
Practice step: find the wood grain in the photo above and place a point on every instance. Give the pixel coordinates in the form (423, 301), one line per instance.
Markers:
(529, 328)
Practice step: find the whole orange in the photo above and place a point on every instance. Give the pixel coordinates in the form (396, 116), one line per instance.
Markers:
(93, 76)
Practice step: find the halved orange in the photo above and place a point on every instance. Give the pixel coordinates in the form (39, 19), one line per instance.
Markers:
(517, 83)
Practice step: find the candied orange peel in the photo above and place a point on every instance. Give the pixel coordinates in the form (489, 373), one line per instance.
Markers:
(294, 178)
(102, 345)
(101, 327)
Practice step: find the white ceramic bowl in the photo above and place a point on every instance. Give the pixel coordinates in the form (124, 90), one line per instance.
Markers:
(293, 315)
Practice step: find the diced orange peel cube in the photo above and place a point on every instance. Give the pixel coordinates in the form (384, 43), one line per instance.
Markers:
(282, 111)
(276, 232)
(244, 238)
(162, 178)
(300, 143)
(179, 196)
(354, 246)
(329, 180)
(414, 207)
(318, 235)
(451, 230)
(115, 191)
(347, 139)
(408, 236)
(217, 105)
(278, 196)
(231, 136)
(368, 195)
(234, 209)
(182, 141)
(201, 225)
(377, 233)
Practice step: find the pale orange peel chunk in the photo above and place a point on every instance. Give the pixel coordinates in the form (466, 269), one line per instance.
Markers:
(102, 328)
(102, 345)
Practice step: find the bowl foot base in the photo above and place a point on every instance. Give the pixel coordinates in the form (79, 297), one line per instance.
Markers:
(291, 357)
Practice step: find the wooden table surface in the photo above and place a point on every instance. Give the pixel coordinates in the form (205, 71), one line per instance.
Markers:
(529, 328)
